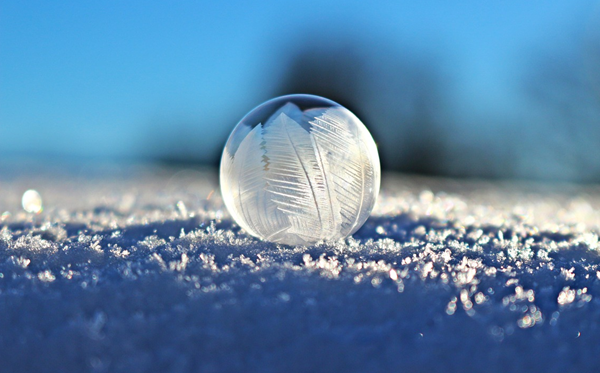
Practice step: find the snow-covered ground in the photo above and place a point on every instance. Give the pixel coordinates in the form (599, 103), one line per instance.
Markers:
(143, 270)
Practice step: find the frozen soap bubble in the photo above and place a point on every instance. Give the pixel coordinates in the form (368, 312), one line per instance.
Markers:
(299, 169)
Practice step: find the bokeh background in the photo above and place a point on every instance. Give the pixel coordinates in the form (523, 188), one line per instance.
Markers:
(461, 89)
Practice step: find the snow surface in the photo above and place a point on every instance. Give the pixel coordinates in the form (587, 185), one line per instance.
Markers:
(144, 271)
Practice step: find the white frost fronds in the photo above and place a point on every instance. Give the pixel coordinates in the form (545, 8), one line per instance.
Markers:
(349, 171)
(296, 178)
(256, 212)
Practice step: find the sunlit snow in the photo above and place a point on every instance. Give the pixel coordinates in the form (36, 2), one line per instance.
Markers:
(147, 272)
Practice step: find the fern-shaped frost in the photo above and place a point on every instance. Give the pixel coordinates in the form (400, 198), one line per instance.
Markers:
(296, 178)
(348, 168)
(257, 213)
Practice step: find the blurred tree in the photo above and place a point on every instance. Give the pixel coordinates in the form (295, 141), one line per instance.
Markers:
(568, 108)
(398, 97)
(333, 71)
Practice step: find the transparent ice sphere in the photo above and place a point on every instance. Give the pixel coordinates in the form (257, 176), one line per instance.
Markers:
(299, 169)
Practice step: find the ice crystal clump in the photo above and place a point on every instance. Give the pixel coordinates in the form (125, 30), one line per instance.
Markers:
(299, 169)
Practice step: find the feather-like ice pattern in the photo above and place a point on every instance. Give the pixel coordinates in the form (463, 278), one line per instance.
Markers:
(349, 171)
(255, 211)
(296, 178)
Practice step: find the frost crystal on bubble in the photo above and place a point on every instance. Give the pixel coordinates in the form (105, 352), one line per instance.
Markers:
(299, 169)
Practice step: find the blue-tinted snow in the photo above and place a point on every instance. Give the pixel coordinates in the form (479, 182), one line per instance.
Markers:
(146, 272)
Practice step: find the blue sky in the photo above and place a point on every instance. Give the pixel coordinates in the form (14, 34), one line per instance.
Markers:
(92, 79)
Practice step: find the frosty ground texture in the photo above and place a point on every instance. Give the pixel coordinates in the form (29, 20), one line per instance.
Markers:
(145, 271)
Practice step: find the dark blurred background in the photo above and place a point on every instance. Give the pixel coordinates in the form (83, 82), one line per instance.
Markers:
(477, 89)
